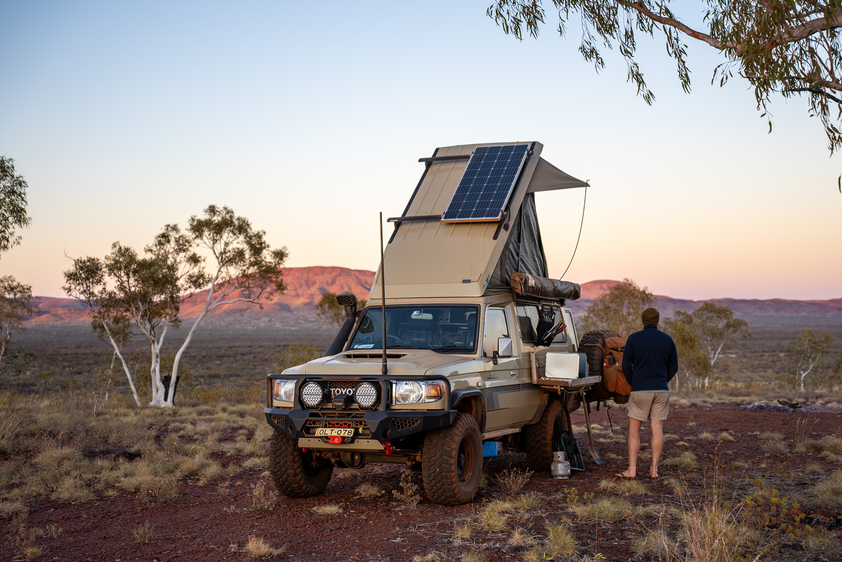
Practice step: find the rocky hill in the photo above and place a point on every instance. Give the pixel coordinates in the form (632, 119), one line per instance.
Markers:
(306, 285)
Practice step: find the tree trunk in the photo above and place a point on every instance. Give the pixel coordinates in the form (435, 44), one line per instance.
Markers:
(125, 367)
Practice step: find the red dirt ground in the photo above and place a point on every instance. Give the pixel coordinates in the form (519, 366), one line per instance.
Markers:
(208, 523)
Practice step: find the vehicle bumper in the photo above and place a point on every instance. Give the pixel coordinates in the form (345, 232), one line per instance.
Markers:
(381, 426)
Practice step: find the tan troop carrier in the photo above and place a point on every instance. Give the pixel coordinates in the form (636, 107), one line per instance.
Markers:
(477, 341)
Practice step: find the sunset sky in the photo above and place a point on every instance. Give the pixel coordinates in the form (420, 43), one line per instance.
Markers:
(309, 119)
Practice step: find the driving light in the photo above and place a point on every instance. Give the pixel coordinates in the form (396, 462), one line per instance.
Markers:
(312, 394)
(366, 395)
(283, 390)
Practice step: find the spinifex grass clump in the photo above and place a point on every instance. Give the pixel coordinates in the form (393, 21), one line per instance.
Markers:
(59, 450)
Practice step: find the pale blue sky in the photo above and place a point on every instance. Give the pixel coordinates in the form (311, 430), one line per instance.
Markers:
(309, 119)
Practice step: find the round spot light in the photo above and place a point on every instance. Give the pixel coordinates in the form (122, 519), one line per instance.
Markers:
(366, 395)
(312, 394)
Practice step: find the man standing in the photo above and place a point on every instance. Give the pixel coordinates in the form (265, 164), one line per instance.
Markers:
(650, 360)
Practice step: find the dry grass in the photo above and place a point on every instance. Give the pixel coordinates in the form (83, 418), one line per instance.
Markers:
(775, 448)
(685, 461)
(770, 436)
(725, 436)
(472, 556)
(463, 531)
(512, 480)
(820, 540)
(47, 436)
(560, 541)
(706, 436)
(258, 549)
(603, 509)
(144, 534)
(521, 537)
(494, 515)
(624, 486)
(367, 490)
(329, 509)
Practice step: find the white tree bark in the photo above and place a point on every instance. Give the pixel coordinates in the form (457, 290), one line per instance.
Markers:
(123, 362)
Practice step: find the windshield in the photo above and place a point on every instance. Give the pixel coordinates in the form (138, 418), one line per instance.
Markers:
(440, 328)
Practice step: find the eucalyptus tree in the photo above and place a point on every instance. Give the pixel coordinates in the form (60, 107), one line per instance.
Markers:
(784, 47)
(15, 307)
(12, 204)
(15, 297)
(806, 355)
(125, 290)
(243, 268)
(619, 309)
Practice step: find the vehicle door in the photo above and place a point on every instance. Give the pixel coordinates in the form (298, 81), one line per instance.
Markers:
(510, 398)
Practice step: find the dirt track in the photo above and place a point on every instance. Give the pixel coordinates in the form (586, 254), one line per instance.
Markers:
(214, 523)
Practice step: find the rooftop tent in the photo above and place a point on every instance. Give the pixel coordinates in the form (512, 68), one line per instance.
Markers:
(441, 247)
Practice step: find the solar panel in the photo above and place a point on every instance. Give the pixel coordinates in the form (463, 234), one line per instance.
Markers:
(488, 181)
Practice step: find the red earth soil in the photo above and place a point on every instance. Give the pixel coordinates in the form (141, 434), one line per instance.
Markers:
(214, 523)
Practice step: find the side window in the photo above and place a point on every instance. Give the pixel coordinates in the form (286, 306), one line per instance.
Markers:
(527, 316)
(495, 327)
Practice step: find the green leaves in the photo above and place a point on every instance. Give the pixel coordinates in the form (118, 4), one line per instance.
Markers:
(619, 309)
(780, 47)
(12, 204)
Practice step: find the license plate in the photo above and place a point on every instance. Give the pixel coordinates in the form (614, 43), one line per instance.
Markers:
(334, 432)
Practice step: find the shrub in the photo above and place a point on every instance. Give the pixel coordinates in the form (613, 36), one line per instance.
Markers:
(512, 480)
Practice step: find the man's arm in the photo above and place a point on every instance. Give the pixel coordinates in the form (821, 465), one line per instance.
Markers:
(628, 360)
(672, 365)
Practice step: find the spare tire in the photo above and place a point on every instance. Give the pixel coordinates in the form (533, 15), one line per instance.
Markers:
(593, 345)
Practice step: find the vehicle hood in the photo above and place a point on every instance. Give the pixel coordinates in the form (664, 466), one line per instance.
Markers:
(399, 362)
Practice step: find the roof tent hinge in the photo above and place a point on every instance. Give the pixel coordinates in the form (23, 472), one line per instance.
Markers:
(415, 218)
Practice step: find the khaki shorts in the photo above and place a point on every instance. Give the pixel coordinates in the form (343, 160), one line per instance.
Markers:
(649, 405)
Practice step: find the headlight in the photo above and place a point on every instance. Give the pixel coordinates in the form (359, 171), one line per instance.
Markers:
(413, 392)
(283, 390)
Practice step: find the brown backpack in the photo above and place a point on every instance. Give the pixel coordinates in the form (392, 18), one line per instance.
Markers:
(612, 371)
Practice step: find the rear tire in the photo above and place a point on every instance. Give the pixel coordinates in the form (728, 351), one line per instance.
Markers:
(297, 474)
(452, 462)
(538, 438)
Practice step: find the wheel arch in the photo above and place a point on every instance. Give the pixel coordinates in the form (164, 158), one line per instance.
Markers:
(470, 402)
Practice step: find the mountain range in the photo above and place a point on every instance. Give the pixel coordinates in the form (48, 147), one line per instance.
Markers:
(306, 285)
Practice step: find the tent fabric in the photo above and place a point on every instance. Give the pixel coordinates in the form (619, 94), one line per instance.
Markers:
(524, 251)
(549, 178)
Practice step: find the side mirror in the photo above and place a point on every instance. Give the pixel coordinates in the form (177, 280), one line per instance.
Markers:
(504, 347)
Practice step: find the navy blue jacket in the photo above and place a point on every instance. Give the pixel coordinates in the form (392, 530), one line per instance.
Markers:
(650, 359)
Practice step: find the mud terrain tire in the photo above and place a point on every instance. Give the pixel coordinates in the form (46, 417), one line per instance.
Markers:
(293, 472)
(538, 438)
(452, 462)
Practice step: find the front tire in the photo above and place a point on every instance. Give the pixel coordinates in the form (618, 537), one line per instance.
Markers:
(452, 462)
(539, 437)
(297, 474)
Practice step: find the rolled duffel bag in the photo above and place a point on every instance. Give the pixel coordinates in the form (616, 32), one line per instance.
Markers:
(526, 284)
(593, 345)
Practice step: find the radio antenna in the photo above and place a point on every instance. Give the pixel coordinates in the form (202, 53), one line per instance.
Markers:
(385, 369)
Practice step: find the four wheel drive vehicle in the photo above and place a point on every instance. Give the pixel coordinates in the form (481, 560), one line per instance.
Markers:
(473, 343)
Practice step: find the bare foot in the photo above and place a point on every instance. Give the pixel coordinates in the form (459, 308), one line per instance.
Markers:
(625, 474)
(654, 473)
